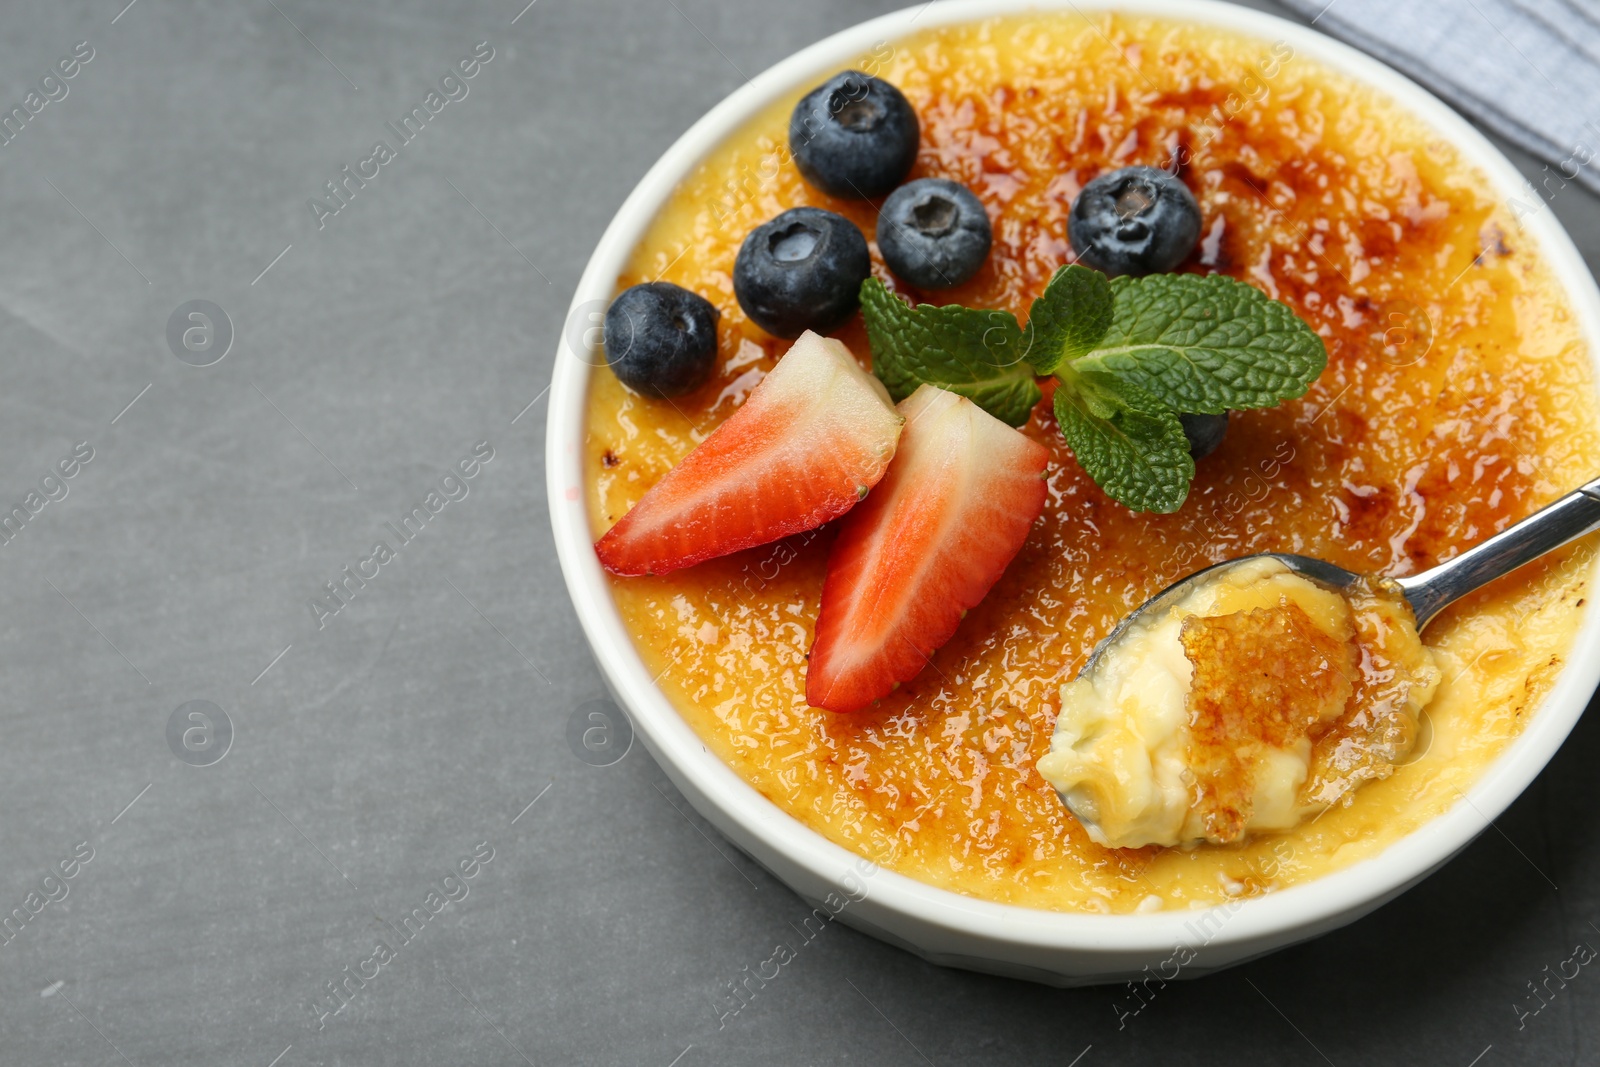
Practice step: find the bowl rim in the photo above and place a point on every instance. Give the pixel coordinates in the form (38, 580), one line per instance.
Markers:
(1305, 907)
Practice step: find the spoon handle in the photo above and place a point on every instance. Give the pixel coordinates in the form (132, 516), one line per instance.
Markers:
(1572, 516)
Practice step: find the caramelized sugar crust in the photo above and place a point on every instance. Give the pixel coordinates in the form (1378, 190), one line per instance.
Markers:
(1458, 398)
(1265, 678)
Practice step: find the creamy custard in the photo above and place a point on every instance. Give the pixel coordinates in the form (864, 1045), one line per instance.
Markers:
(1458, 398)
(1204, 719)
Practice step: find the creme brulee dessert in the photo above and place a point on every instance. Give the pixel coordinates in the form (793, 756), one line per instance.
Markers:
(1457, 398)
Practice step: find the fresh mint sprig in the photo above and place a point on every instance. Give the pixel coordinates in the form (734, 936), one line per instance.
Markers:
(1130, 355)
(1075, 311)
(1205, 343)
(978, 354)
(1128, 441)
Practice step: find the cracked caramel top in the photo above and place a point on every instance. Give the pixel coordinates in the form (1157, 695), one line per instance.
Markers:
(1263, 678)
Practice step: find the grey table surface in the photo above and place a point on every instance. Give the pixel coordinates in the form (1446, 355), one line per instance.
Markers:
(369, 757)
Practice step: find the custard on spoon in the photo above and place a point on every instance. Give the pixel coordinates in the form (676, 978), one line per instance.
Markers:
(1256, 693)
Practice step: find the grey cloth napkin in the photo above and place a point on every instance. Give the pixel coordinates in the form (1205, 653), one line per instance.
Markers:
(1527, 69)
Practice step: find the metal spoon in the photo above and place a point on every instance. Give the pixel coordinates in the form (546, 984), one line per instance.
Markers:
(1571, 517)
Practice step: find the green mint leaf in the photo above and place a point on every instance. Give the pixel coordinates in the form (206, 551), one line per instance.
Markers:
(978, 354)
(1128, 441)
(1204, 344)
(1069, 318)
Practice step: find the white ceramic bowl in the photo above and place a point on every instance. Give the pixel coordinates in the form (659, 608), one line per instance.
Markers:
(939, 925)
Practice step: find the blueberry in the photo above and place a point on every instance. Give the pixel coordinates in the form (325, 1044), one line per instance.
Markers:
(934, 233)
(801, 271)
(854, 136)
(1137, 220)
(1205, 433)
(661, 339)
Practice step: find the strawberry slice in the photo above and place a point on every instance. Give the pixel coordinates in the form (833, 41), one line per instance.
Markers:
(927, 544)
(805, 447)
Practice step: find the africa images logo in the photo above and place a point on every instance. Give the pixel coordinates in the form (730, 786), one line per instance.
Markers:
(341, 990)
(452, 87)
(348, 584)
